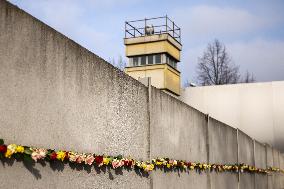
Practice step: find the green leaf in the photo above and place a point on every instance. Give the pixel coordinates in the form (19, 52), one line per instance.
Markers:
(27, 150)
(17, 156)
(1, 156)
(1, 141)
(27, 158)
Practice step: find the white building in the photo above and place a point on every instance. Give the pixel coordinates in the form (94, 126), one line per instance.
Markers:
(255, 108)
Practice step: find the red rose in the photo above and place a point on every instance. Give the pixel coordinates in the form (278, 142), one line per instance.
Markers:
(66, 156)
(99, 160)
(130, 163)
(126, 162)
(3, 148)
(53, 156)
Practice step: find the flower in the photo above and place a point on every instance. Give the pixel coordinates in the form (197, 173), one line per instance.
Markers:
(99, 160)
(138, 164)
(8, 153)
(38, 154)
(128, 162)
(12, 148)
(80, 158)
(143, 165)
(89, 159)
(72, 156)
(149, 167)
(168, 165)
(61, 155)
(117, 163)
(3, 148)
(53, 156)
(20, 149)
(106, 161)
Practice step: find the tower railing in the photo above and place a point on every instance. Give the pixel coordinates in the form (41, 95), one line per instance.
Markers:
(152, 26)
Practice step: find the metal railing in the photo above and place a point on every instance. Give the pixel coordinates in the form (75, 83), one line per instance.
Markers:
(158, 25)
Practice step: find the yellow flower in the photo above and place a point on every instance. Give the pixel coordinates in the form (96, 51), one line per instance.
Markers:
(12, 148)
(143, 165)
(20, 149)
(159, 163)
(60, 155)
(149, 167)
(8, 153)
(191, 167)
(138, 164)
(168, 165)
(106, 161)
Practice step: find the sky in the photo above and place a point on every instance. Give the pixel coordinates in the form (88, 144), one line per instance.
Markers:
(251, 30)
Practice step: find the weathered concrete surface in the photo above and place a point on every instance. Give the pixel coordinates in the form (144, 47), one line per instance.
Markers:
(260, 162)
(246, 155)
(222, 149)
(269, 158)
(177, 131)
(282, 167)
(56, 94)
(276, 163)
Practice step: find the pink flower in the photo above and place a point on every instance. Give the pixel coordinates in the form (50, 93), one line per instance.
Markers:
(117, 163)
(114, 164)
(72, 156)
(38, 154)
(80, 158)
(89, 159)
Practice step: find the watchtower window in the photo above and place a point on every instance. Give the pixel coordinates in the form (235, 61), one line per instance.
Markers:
(172, 62)
(158, 59)
(143, 60)
(150, 59)
(135, 61)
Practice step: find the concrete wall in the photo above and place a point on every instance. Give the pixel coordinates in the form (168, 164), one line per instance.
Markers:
(246, 155)
(56, 94)
(276, 163)
(257, 107)
(177, 131)
(222, 149)
(282, 167)
(261, 181)
(269, 163)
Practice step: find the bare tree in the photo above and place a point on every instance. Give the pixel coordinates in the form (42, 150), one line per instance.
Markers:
(248, 78)
(215, 67)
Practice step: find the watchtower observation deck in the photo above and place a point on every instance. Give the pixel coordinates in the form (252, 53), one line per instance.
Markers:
(153, 46)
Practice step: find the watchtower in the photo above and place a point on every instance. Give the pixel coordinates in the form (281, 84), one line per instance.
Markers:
(153, 47)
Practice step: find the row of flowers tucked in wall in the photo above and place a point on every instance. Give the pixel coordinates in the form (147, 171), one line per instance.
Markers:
(40, 154)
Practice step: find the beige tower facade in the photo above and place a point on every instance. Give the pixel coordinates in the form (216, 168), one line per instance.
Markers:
(153, 50)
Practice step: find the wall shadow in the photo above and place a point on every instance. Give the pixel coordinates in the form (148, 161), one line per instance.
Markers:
(60, 166)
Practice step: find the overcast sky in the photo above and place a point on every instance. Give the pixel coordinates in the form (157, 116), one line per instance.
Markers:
(252, 30)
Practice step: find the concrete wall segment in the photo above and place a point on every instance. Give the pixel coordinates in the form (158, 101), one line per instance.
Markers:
(56, 94)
